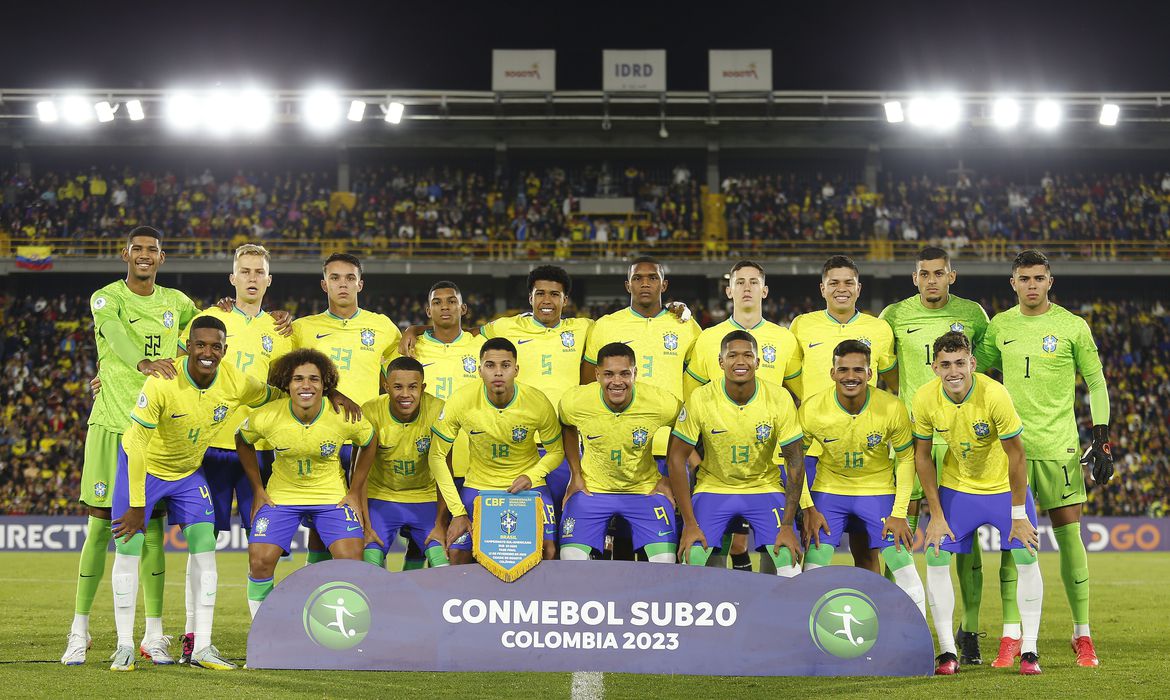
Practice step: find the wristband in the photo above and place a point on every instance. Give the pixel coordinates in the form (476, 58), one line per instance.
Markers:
(1019, 513)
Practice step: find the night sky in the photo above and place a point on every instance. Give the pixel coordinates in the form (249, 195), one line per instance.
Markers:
(878, 45)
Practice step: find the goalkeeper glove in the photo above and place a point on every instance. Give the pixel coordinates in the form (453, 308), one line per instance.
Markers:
(1099, 455)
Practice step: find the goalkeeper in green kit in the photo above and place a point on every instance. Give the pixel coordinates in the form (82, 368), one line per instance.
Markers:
(1041, 347)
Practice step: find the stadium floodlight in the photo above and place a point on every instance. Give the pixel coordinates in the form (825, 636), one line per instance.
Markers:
(253, 111)
(1047, 114)
(219, 113)
(47, 112)
(1109, 114)
(1005, 113)
(394, 112)
(105, 111)
(894, 113)
(184, 111)
(357, 111)
(921, 111)
(322, 110)
(76, 110)
(134, 110)
(947, 112)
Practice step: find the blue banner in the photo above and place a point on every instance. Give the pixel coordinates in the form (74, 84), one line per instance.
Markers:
(508, 532)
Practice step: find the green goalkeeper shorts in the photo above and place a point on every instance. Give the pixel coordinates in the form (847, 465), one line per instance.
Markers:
(101, 463)
(1057, 483)
(937, 453)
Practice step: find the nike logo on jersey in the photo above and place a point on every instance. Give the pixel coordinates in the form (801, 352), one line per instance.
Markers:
(1008, 342)
(912, 330)
(478, 432)
(716, 432)
(941, 430)
(626, 342)
(135, 320)
(388, 448)
(828, 440)
(283, 449)
(592, 437)
(813, 345)
(178, 415)
(322, 335)
(428, 364)
(521, 342)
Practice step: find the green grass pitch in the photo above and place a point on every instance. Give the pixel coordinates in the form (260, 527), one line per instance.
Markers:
(1130, 618)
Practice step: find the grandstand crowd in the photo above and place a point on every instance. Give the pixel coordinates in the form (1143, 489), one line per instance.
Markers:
(528, 212)
(48, 356)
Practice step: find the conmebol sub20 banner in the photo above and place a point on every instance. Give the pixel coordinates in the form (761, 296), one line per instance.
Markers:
(624, 617)
(739, 71)
(633, 71)
(524, 71)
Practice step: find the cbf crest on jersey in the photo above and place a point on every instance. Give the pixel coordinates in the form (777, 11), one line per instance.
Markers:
(219, 413)
(567, 339)
(423, 444)
(468, 364)
(769, 353)
(957, 327)
(519, 433)
(866, 341)
(640, 436)
(328, 449)
(873, 440)
(367, 337)
(1049, 344)
(763, 432)
(168, 319)
(981, 428)
(266, 343)
(670, 341)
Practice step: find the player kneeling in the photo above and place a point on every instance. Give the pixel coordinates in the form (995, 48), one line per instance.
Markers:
(307, 486)
(984, 482)
(857, 481)
(617, 474)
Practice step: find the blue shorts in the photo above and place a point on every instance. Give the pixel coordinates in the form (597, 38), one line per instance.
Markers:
(416, 519)
(468, 495)
(714, 513)
(557, 481)
(854, 514)
(810, 470)
(965, 512)
(278, 524)
(188, 499)
(586, 519)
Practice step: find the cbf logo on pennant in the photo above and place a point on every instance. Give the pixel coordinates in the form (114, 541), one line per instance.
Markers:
(508, 531)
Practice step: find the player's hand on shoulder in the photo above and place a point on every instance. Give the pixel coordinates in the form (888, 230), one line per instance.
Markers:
(409, 338)
(343, 404)
(680, 310)
(226, 304)
(158, 368)
(283, 321)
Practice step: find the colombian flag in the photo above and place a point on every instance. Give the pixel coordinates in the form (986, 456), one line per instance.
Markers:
(34, 257)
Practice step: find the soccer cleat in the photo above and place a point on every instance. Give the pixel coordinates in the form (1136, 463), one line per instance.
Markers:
(123, 659)
(968, 643)
(948, 664)
(1009, 651)
(188, 648)
(210, 658)
(1086, 654)
(1029, 664)
(75, 650)
(158, 650)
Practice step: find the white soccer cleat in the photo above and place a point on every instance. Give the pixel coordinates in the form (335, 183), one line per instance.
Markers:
(75, 650)
(123, 659)
(210, 658)
(157, 650)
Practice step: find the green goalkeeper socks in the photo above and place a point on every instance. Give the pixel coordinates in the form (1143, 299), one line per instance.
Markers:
(93, 563)
(152, 569)
(970, 570)
(1074, 570)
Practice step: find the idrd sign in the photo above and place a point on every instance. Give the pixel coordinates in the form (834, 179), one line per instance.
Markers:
(634, 71)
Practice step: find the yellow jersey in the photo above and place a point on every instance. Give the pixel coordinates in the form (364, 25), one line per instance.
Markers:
(549, 357)
(739, 441)
(855, 449)
(173, 422)
(973, 428)
(779, 353)
(401, 471)
(617, 457)
(359, 345)
(307, 467)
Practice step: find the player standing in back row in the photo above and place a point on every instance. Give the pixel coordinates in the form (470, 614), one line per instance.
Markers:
(1041, 347)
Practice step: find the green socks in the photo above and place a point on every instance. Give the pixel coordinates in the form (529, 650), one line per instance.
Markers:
(374, 556)
(258, 590)
(415, 564)
(315, 557)
(93, 563)
(970, 570)
(1074, 570)
(153, 567)
(1007, 588)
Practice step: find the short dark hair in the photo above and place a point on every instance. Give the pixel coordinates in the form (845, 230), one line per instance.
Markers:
(207, 322)
(647, 260)
(1028, 258)
(404, 364)
(497, 344)
(281, 372)
(952, 341)
(444, 284)
(145, 231)
(848, 347)
(737, 335)
(550, 273)
(616, 350)
(747, 263)
(345, 258)
(837, 261)
(931, 252)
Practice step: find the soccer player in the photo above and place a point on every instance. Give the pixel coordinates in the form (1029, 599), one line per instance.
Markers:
(780, 360)
(916, 321)
(984, 482)
(617, 474)
(857, 426)
(817, 333)
(137, 325)
(308, 484)
(401, 489)
(500, 418)
(1041, 347)
(359, 342)
(173, 424)
(740, 420)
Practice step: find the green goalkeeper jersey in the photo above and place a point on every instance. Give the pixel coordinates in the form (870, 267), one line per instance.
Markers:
(152, 324)
(1040, 357)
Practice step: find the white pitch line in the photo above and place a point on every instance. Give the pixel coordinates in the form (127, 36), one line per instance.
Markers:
(588, 685)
